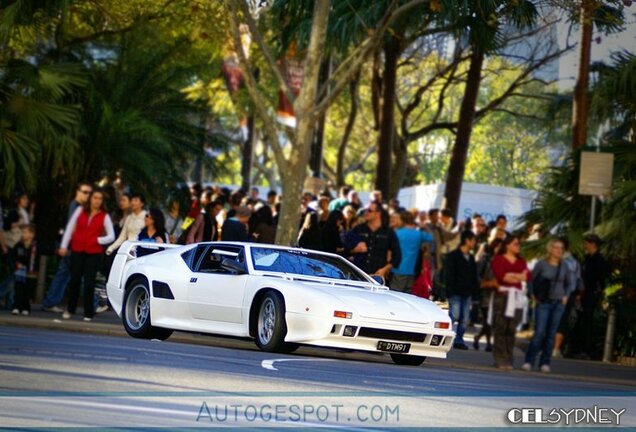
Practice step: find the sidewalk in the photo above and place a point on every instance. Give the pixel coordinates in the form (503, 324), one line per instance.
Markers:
(109, 324)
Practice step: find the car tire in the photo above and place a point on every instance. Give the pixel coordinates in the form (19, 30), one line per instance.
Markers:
(135, 313)
(407, 360)
(270, 323)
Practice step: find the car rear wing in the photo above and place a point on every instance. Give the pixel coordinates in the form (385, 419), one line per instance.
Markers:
(130, 250)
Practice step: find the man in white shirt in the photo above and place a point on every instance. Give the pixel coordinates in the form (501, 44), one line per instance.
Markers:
(135, 222)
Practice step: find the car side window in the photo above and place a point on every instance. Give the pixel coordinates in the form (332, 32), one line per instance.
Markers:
(214, 256)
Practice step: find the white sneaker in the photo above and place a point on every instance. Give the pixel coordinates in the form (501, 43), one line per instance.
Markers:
(15, 312)
(526, 367)
(66, 315)
(87, 319)
(55, 309)
(25, 312)
(101, 309)
(545, 368)
(557, 353)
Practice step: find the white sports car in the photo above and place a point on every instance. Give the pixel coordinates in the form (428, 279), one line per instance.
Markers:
(280, 296)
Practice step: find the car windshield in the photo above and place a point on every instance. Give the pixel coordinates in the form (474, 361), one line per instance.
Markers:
(304, 263)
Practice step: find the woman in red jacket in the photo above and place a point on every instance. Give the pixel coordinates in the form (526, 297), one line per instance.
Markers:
(511, 271)
(88, 230)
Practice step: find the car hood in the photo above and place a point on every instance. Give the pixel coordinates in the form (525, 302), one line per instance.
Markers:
(384, 304)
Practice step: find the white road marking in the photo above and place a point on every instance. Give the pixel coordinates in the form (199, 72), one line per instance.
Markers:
(269, 364)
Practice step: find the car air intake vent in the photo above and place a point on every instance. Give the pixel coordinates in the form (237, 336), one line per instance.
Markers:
(391, 334)
(161, 290)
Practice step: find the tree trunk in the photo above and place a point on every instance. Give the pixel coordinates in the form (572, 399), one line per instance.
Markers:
(248, 153)
(399, 166)
(351, 120)
(580, 105)
(455, 176)
(317, 143)
(387, 126)
(296, 171)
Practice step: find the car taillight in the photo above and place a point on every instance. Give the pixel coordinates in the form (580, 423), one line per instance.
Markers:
(442, 325)
(342, 314)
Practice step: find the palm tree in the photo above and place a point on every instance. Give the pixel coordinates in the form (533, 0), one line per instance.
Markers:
(37, 120)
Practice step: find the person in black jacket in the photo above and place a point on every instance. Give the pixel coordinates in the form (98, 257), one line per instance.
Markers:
(595, 274)
(378, 248)
(330, 232)
(462, 283)
(235, 227)
(309, 236)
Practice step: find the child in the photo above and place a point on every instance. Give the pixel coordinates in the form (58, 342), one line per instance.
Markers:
(24, 260)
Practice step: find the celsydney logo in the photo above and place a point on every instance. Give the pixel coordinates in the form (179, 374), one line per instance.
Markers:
(572, 416)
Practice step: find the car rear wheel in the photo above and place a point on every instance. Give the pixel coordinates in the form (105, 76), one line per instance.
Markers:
(270, 325)
(407, 360)
(136, 313)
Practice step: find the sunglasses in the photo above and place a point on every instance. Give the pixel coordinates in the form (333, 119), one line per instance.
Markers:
(85, 191)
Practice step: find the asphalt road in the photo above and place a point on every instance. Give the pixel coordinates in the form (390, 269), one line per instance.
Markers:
(60, 379)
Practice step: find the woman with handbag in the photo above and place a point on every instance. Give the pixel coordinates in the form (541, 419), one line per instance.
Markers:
(551, 286)
(511, 271)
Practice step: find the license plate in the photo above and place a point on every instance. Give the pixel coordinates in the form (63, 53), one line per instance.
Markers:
(395, 347)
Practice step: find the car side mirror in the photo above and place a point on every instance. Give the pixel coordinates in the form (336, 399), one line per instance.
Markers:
(233, 266)
(379, 279)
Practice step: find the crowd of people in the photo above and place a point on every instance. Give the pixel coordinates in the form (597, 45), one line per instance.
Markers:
(474, 265)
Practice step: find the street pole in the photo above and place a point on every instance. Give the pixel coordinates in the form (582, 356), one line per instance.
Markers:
(608, 346)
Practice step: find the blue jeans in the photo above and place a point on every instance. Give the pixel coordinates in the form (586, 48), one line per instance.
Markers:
(548, 317)
(55, 293)
(7, 291)
(460, 311)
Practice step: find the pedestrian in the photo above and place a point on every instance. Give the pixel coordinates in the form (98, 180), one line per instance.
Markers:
(133, 225)
(462, 284)
(395, 221)
(272, 198)
(24, 256)
(154, 231)
(265, 231)
(354, 200)
(440, 238)
(173, 221)
(342, 201)
(235, 228)
(411, 241)
(550, 289)
(511, 272)
(350, 215)
(595, 273)
(568, 320)
(62, 277)
(378, 250)
(205, 227)
(488, 284)
(88, 230)
(16, 217)
(119, 216)
(310, 236)
(331, 233)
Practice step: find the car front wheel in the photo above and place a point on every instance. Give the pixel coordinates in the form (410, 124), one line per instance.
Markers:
(136, 313)
(270, 325)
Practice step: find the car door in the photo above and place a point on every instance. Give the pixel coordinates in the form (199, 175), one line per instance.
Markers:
(214, 293)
